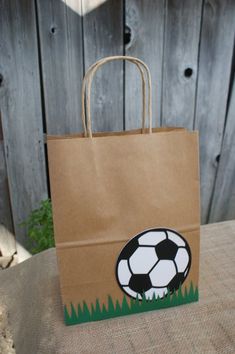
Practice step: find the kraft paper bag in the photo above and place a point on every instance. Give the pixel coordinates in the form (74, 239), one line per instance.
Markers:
(126, 215)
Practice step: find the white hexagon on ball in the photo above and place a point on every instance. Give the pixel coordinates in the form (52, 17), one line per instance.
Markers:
(123, 271)
(163, 273)
(152, 238)
(143, 260)
(175, 238)
(182, 259)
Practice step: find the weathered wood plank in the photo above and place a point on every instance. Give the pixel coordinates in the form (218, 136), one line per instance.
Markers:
(181, 46)
(20, 104)
(223, 201)
(60, 32)
(103, 36)
(146, 23)
(213, 81)
(5, 204)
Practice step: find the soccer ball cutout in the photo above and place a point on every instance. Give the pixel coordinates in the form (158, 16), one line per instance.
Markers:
(154, 262)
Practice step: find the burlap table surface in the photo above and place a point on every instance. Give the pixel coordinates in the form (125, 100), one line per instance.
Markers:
(30, 293)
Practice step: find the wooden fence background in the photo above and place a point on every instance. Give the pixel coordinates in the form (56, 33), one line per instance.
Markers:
(45, 48)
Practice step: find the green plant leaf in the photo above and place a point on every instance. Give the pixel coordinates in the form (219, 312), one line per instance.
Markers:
(39, 227)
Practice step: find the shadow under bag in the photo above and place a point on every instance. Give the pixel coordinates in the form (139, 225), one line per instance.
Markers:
(126, 214)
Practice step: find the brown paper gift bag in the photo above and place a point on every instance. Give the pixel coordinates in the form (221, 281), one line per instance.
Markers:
(126, 215)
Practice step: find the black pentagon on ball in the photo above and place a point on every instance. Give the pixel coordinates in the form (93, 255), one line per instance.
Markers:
(176, 282)
(166, 249)
(140, 283)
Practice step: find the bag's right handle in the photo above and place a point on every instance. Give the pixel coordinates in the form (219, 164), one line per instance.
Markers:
(88, 80)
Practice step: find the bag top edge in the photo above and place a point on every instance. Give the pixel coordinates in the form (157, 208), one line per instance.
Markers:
(120, 133)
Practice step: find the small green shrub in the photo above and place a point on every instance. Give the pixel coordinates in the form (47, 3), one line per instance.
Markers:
(39, 227)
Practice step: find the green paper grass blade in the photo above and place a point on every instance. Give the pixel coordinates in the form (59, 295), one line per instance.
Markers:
(99, 312)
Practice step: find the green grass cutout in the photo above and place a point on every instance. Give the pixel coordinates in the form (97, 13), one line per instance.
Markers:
(98, 312)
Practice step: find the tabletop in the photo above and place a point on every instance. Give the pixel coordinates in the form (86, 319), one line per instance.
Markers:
(29, 295)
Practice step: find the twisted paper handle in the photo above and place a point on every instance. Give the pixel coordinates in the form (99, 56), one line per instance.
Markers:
(86, 85)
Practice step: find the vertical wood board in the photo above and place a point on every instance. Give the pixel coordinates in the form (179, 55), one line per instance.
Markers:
(146, 23)
(21, 112)
(5, 204)
(60, 33)
(215, 58)
(103, 36)
(223, 200)
(181, 46)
